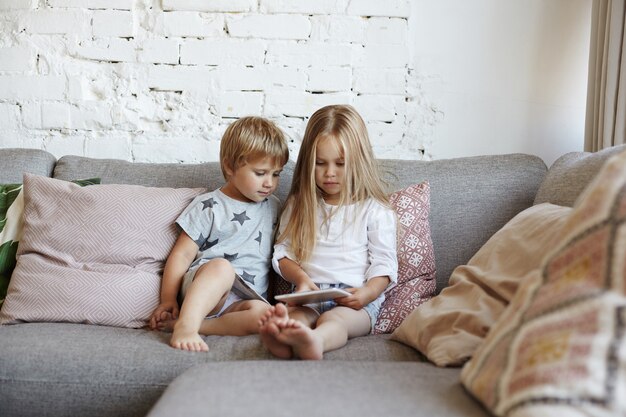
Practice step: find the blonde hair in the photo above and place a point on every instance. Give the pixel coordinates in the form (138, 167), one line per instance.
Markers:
(251, 138)
(345, 126)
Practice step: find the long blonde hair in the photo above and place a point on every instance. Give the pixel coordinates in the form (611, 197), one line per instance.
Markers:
(343, 124)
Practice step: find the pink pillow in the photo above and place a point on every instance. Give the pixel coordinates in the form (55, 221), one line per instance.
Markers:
(92, 255)
(416, 258)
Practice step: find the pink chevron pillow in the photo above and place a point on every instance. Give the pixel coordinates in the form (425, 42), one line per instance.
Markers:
(92, 255)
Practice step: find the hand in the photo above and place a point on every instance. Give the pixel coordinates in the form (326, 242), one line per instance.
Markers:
(165, 311)
(359, 298)
(307, 285)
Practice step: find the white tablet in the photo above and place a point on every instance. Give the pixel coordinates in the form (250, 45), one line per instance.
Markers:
(307, 297)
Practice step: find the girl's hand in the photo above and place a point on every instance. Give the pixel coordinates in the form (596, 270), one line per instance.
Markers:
(165, 311)
(359, 298)
(307, 285)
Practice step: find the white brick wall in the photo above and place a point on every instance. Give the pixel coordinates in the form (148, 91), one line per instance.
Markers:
(159, 80)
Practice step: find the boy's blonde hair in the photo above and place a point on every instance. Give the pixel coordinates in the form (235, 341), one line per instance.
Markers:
(251, 138)
(343, 125)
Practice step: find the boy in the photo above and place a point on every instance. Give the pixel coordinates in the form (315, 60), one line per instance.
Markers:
(225, 232)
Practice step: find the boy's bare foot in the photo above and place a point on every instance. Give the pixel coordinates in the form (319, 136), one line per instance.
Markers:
(166, 325)
(187, 339)
(269, 330)
(302, 339)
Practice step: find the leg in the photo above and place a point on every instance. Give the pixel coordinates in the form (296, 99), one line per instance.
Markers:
(333, 330)
(240, 319)
(276, 319)
(204, 296)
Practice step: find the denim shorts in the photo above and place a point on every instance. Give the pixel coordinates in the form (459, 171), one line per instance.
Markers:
(372, 309)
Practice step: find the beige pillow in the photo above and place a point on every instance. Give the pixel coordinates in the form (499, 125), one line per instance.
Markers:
(559, 349)
(450, 327)
(92, 255)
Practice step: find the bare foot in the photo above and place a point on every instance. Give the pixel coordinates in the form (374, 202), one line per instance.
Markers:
(302, 339)
(166, 325)
(185, 338)
(269, 330)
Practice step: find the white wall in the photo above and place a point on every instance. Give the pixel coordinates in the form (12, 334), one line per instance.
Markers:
(159, 80)
(503, 76)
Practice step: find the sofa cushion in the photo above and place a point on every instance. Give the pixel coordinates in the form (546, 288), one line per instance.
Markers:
(94, 254)
(450, 327)
(416, 258)
(14, 162)
(558, 349)
(570, 174)
(307, 389)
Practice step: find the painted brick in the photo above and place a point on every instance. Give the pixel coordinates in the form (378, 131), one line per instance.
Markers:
(9, 116)
(91, 116)
(180, 78)
(240, 103)
(388, 8)
(31, 114)
(59, 144)
(306, 7)
(55, 115)
(386, 31)
(338, 29)
(211, 6)
(59, 22)
(16, 58)
(17, 4)
(216, 52)
(112, 23)
(309, 54)
(107, 50)
(93, 4)
(383, 56)
(375, 81)
(259, 78)
(109, 146)
(159, 51)
(32, 87)
(330, 79)
(269, 26)
(192, 24)
(301, 104)
(380, 108)
(175, 149)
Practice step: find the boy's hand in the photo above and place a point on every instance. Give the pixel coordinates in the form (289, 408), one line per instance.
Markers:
(165, 311)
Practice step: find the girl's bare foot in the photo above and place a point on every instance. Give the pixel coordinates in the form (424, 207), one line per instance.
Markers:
(185, 338)
(302, 340)
(269, 330)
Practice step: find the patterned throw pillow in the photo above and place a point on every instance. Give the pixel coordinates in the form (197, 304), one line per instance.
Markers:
(11, 222)
(94, 254)
(416, 258)
(560, 346)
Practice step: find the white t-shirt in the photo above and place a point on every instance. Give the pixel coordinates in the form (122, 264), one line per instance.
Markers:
(357, 244)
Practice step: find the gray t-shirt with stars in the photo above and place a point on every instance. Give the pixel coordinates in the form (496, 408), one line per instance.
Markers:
(237, 231)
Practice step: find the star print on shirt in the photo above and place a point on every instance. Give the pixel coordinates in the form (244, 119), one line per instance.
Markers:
(241, 218)
(259, 238)
(208, 203)
(231, 257)
(208, 244)
(200, 240)
(248, 277)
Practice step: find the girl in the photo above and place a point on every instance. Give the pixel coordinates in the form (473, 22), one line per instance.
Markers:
(337, 231)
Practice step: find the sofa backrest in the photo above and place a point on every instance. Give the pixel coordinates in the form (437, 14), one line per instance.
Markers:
(15, 161)
(471, 198)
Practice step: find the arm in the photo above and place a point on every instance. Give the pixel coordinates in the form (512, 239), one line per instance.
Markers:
(292, 272)
(182, 255)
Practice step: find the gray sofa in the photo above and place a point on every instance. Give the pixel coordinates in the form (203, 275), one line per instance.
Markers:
(63, 369)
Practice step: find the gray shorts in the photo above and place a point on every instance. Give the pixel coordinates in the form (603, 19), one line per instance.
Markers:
(372, 309)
